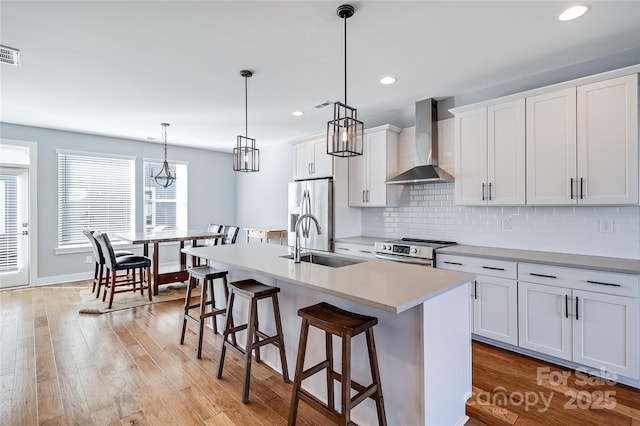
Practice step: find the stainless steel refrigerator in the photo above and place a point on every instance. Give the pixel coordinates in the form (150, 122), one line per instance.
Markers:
(315, 197)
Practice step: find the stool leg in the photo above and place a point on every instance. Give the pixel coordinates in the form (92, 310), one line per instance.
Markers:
(297, 380)
(375, 374)
(228, 313)
(283, 355)
(187, 298)
(228, 325)
(251, 333)
(212, 305)
(256, 338)
(345, 402)
(203, 309)
(329, 353)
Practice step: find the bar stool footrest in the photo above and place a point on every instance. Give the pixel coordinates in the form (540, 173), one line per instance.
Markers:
(315, 369)
(319, 406)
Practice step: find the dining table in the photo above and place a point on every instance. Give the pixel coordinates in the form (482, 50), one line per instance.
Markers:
(166, 236)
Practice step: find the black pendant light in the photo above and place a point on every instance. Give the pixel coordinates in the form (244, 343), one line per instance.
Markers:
(345, 133)
(246, 157)
(165, 176)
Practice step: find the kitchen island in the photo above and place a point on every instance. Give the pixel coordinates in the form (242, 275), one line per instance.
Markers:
(423, 337)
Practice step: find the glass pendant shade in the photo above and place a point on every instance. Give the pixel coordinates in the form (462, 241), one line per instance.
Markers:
(165, 176)
(246, 157)
(345, 133)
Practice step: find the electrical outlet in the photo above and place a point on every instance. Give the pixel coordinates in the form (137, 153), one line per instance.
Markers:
(88, 259)
(506, 224)
(606, 225)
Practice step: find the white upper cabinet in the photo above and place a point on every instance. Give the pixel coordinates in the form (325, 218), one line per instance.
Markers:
(607, 135)
(582, 144)
(369, 172)
(490, 155)
(312, 161)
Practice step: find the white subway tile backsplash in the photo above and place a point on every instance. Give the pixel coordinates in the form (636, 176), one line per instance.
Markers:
(429, 211)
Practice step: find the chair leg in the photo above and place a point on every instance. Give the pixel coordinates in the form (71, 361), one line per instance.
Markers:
(345, 400)
(187, 298)
(328, 337)
(251, 332)
(113, 288)
(95, 277)
(297, 380)
(228, 325)
(375, 374)
(107, 283)
(101, 271)
(203, 309)
(283, 355)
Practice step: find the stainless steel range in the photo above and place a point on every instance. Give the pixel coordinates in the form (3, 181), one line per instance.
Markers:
(410, 250)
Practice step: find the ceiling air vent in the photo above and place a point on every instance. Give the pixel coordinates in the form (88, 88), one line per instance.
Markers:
(9, 55)
(323, 104)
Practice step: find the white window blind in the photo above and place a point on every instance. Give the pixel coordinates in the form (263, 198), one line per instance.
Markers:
(94, 192)
(8, 223)
(165, 207)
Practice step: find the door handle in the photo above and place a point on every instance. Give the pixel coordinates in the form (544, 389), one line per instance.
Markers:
(367, 195)
(581, 188)
(482, 191)
(577, 304)
(363, 200)
(566, 306)
(475, 289)
(490, 190)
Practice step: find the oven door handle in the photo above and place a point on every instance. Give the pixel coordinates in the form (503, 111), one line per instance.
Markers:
(403, 259)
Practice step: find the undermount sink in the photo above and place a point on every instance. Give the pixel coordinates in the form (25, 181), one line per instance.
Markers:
(330, 261)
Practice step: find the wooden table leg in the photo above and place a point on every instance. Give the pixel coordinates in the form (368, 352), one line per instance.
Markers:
(183, 256)
(156, 264)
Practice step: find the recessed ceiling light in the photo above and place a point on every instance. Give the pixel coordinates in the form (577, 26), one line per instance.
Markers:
(297, 113)
(388, 80)
(573, 12)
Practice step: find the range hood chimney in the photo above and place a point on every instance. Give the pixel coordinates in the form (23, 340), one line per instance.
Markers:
(426, 169)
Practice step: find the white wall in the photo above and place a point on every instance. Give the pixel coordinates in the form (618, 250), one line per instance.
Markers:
(211, 190)
(429, 211)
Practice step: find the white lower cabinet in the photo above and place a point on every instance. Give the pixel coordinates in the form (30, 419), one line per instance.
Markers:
(354, 249)
(494, 295)
(567, 321)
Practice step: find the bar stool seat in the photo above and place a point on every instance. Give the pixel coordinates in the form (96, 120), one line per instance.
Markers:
(335, 321)
(207, 299)
(254, 291)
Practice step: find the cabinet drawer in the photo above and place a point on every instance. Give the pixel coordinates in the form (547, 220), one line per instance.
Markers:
(362, 250)
(477, 265)
(581, 279)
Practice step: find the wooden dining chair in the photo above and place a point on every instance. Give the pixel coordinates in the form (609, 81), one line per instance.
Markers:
(141, 264)
(231, 234)
(99, 272)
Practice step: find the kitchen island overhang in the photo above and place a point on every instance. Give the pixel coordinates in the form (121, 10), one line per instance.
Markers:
(423, 335)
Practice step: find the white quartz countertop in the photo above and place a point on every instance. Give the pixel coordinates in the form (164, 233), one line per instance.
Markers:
(610, 264)
(390, 286)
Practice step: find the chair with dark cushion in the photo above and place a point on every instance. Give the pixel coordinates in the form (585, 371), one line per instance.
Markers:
(231, 234)
(213, 227)
(141, 264)
(98, 273)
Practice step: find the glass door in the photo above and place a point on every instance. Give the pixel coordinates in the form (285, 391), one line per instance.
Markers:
(14, 227)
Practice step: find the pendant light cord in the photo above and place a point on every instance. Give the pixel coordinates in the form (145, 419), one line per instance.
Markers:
(246, 114)
(164, 136)
(345, 61)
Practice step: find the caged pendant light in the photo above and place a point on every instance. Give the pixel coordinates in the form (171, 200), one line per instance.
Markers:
(246, 157)
(165, 176)
(345, 133)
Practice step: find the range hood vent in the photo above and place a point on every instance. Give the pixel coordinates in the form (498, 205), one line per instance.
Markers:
(426, 152)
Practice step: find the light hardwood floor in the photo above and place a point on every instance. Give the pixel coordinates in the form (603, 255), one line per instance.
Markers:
(126, 367)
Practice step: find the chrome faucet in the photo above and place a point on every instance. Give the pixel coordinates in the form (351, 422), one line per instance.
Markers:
(296, 252)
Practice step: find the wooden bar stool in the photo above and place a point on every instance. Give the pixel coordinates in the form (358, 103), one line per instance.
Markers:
(346, 325)
(254, 291)
(207, 299)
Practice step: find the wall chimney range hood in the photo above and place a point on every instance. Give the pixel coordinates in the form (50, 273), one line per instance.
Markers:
(426, 152)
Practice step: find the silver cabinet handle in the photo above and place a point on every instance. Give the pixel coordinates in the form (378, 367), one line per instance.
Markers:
(452, 263)
(571, 187)
(482, 191)
(367, 195)
(577, 304)
(542, 275)
(566, 306)
(490, 184)
(363, 200)
(493, 268)
(581, 188)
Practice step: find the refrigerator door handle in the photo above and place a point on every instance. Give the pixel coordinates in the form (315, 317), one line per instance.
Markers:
(306, 200)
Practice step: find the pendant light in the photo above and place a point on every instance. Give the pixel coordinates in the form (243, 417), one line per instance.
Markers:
(345, 133)
(246, 157)
(165, 176)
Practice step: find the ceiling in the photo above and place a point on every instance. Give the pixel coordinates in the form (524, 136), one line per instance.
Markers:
(121, 68)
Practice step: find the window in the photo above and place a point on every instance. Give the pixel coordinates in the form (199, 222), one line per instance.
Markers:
(165, 207)
(94, 191)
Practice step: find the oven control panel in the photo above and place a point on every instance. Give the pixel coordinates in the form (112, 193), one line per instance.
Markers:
(421, 252)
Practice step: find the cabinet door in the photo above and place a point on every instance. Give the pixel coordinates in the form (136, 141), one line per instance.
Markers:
(551, 148)
(506, 153)
(495, 309)
(303, 155)
(376, 163)
(605, 332)
(322, 164)
(471, 157)
(608, 141)
(357, 179)
(543, 323)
